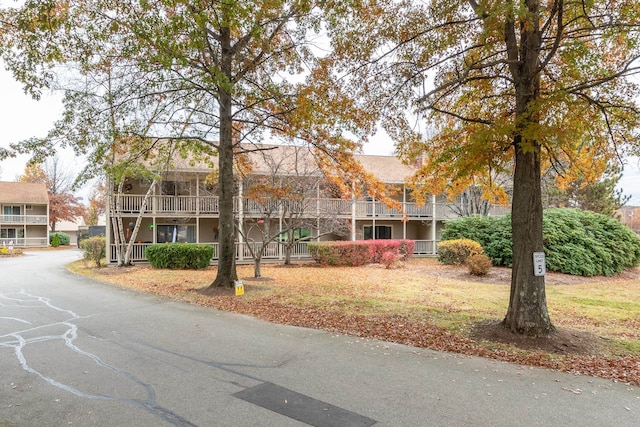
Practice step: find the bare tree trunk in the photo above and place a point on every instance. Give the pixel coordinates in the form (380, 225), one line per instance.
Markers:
(287, 254)
(527, 312)
(134, 232)
(116, 223)
(256, 265)
(227, 274)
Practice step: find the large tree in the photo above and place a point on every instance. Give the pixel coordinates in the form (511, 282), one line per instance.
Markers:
(506, 84)
(221, 73)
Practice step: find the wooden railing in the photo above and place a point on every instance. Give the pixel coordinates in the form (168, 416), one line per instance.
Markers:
(274, 251)
(315, 207)
(25, 242)
(23, 219)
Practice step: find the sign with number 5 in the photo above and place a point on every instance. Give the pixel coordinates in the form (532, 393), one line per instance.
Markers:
(539, 267)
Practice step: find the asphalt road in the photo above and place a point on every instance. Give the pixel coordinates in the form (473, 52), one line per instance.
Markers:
(81, 353)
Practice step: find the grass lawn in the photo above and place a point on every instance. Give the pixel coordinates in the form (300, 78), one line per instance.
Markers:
(425, 304)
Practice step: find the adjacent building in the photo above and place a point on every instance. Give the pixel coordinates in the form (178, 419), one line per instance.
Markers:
(24, 219)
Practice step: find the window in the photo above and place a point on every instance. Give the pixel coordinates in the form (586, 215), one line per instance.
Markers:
(298, 234)
(12, 210)
(176, 233)
(382, 232)
(175, 188)
(11, 213)
(12, 233)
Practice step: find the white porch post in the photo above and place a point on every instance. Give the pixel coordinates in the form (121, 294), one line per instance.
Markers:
(280, 254)
(404, 211)
(434, 222)
(353, 213)
(317, 211)
(198, 200)
(373, 224)
(240, 221)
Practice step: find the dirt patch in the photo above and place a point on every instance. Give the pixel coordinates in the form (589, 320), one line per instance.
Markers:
(562, 341)
(112, 270)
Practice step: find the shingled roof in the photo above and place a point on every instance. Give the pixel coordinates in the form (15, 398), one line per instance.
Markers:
(389, 169)
(292, 159)
(23, 192)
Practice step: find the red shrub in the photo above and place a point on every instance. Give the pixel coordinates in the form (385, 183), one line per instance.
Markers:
(359, 252)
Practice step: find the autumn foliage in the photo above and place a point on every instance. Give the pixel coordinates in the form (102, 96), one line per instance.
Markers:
(457, 251)
(94, 249)
(360, 252)
(478, 264)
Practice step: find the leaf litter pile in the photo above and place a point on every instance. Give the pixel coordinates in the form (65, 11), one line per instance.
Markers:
(425, 304)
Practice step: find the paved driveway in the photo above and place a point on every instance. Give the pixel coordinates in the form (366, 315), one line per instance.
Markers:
(77, 352)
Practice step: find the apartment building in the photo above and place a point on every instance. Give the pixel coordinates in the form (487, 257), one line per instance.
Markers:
(183, 206)
(24, 221)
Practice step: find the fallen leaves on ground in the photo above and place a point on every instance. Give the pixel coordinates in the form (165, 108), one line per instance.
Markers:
(404, 306)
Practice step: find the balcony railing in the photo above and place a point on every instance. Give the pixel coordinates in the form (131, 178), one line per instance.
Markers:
(273, 251)
(25, 242)
(314, 207)
(23, 219)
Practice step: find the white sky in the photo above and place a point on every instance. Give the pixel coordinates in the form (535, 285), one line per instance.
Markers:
(22, 117)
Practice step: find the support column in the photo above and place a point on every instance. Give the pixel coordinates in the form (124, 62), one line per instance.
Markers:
(317, 211)
(280, 255)
(353, 216)
(404, 211)
(434, 224)
(374, 214)
(240, 246)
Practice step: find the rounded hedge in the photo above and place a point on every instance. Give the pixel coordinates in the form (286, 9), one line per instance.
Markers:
(457, 251)
(575, 242)
(492, 232)
(179, 256)
(58, 238)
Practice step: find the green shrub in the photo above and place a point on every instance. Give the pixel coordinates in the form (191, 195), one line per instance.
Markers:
(479, 264)
(94, 249)
(457, 251)
(588, 244)
(493, 233)
(59, 238)
(575, 242)
(179, 256)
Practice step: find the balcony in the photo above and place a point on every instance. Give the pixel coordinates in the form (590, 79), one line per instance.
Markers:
(312, 208)
(25, 242)
(24, 219)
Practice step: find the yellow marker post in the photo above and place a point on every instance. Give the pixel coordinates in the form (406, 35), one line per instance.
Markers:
(239, 287)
